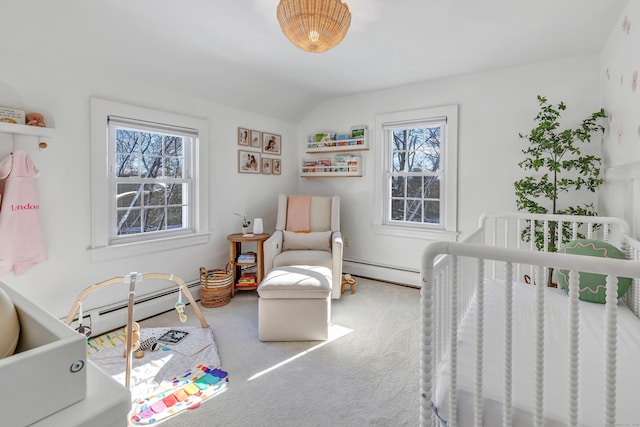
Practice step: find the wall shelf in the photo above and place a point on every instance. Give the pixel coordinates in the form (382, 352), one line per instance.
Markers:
(355, 144)
(331, 142)
(27, 130)
(42, 133)
(336, 166)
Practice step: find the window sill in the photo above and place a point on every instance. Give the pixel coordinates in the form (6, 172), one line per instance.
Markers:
(126, 250)
(416, 233)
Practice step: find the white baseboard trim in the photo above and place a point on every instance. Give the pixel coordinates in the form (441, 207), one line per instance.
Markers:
(386, 273)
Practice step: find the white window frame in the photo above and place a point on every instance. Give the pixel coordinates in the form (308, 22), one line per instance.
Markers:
(447, 230)
(103, 245)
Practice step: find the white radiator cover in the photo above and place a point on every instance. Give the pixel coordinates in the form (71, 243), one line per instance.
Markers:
(385, 273)
(114, 316)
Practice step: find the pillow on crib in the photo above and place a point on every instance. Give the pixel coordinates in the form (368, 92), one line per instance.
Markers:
(592, 286)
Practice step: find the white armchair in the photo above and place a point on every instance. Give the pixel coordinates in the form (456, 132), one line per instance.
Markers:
(321, 245)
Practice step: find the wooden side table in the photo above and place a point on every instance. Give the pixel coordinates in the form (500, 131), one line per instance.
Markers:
(235, 248)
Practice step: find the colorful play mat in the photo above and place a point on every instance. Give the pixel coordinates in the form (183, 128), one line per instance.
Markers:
(188, 391)
(167, 381)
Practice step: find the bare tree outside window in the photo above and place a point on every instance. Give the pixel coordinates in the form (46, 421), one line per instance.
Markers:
(415, 177)
(150, 187)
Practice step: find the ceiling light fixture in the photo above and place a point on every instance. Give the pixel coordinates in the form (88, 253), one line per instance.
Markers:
(314, 25)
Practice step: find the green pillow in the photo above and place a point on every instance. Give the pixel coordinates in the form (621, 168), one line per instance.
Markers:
(592, 286)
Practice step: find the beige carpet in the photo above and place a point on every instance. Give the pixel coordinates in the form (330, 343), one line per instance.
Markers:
(367, 374)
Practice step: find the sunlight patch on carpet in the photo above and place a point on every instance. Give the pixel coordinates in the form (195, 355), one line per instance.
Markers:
(335, 332)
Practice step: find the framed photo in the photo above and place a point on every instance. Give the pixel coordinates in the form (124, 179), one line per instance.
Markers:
(266, 166)
(256, 139)
(243, 136)
(271, 143)
(248, 161)
(276, 167)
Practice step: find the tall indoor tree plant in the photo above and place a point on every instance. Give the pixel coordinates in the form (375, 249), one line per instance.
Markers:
(557, 166)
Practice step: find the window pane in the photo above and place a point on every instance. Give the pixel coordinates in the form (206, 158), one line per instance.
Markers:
(397, 186)
(174, 217)
(173, 146)
(414, 211)
(399, 161)
(150, 143)
(154, 195)
(127, 141)
(173, 167)
(175, 194)
(432, 212)
(128, 195)
(397, 210)
(151, 167)
(129, 221)
(414, 186)
(127, 165)
(431, 187)
(154, 219)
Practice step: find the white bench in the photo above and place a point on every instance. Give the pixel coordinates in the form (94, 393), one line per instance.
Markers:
(295, 304)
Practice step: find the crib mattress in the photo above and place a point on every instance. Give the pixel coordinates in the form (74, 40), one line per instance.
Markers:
(591, 364)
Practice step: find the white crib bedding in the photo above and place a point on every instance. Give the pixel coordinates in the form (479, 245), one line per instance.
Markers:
(591, 364)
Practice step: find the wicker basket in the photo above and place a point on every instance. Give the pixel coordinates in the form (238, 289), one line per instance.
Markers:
(215, 286)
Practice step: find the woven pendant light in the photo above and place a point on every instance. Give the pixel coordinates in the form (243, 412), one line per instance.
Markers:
(314, 25)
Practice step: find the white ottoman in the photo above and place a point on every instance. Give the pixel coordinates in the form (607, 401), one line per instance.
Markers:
(295, 304)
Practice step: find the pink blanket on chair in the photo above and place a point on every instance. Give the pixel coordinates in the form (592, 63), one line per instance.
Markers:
(298, 213)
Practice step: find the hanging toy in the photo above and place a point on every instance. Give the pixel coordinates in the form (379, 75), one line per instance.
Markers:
(135, 341)
(180, 307)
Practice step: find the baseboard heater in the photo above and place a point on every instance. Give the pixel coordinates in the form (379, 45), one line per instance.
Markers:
(113, 316)
(387, 273)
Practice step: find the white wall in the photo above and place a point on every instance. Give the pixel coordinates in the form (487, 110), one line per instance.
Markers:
(620, 87)
(61, 88)
(493, 108)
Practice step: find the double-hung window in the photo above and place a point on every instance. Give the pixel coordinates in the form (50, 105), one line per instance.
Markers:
(417, 170)
(149, 180)
(151, 175)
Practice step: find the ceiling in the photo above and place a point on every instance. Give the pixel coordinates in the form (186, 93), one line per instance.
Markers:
(233, 52)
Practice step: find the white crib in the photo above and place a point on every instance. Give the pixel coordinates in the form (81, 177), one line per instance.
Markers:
(496, 351)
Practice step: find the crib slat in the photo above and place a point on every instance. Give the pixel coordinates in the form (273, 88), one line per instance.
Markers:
(477, 413)
(519, 246)
(611, 330)
(507, 410)
(574, 346)
(453, 345)
(426, 356)
(590, 230)
(545, 229)
(559, 238)
(532, 239)
(574, 230)
(538, 418)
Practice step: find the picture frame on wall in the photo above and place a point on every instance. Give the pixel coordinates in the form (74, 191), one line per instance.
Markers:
(276, 167)
(271, 143)
(256, 139)
(266, 166)
(243, 136)
(249, 161)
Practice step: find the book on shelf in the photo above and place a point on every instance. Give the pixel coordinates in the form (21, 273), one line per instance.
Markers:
(247, 279)
(248, 269)
(247, 257)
